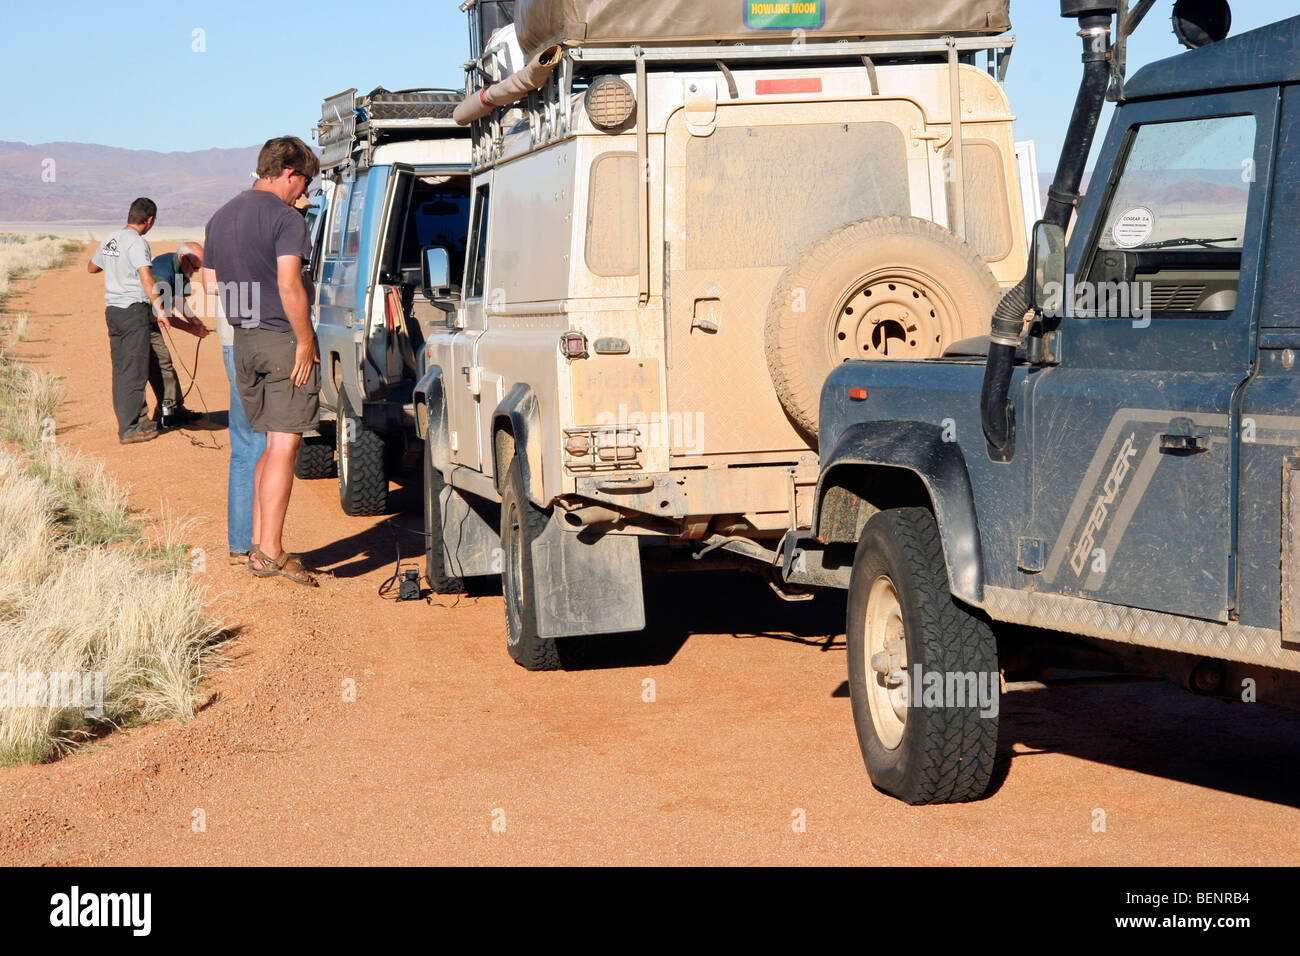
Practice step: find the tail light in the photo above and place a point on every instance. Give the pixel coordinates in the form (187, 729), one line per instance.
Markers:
(573, 345)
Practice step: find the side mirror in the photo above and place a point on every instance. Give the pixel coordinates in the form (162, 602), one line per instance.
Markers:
(436, 279)
(1047, 268)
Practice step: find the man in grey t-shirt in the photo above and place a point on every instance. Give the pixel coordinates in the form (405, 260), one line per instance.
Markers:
(130, 299)
(254, 248)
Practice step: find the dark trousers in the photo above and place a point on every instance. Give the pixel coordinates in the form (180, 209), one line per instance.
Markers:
(163, 381)
(128, 345)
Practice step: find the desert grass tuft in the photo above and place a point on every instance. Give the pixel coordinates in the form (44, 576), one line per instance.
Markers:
(127, 620)
(23, 255)
(87, 591)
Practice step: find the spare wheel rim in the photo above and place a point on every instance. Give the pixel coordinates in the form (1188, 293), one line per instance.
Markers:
(893, 313)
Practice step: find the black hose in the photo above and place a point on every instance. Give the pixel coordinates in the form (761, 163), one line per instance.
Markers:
(997, 414)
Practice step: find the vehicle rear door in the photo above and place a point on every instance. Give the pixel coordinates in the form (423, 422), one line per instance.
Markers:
(463, 381)
(317, 217)
(744, 197)
(384, 301)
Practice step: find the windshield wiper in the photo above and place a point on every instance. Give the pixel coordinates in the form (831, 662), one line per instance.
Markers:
(1185, 241)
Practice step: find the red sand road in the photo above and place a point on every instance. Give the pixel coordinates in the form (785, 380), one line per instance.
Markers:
(748, 731)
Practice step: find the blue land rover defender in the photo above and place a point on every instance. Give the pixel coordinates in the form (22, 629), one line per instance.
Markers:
(1112, 477)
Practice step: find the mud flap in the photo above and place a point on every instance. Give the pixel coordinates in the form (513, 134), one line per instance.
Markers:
(586, 585)
(470, 545)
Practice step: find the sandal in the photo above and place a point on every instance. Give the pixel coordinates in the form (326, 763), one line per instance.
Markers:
(291, 567)
(287, 566)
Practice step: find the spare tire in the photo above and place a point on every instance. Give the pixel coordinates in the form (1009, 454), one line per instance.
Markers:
(895, 287)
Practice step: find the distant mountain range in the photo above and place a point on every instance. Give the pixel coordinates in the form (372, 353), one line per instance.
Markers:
(1203, 186)
(87, 183)
(83, 182)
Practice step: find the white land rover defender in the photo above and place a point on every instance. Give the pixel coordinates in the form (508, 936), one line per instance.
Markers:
(684, 215)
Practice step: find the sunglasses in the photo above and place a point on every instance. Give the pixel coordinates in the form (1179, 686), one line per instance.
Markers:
(305, 178)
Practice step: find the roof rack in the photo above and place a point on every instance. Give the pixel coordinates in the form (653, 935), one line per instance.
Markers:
(548, 110)
(352, 126)
(997, 47)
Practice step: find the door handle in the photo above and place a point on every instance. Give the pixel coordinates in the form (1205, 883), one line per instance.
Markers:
(1185, 443)
(1183, 436)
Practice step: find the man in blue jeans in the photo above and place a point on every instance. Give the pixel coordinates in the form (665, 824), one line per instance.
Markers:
(246, 447)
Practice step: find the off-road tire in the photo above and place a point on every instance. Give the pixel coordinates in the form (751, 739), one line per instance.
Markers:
(435, 564)
(822, 312)
(522, 523)
(945, 753)
(363, 481)
(315, 459)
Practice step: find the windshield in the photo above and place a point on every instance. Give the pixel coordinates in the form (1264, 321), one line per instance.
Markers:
(1185, 186)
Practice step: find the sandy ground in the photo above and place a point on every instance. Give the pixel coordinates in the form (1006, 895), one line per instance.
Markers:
(744, 752)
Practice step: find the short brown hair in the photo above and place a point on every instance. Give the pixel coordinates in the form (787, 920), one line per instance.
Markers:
(286, 152)
(142, 209)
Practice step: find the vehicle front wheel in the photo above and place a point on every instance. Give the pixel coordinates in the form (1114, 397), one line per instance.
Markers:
(923, 669)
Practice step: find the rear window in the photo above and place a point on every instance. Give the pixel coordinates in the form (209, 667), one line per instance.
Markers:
(356, 212)
(612, 211)
(337, 213)
(756, 195)
(988, 220)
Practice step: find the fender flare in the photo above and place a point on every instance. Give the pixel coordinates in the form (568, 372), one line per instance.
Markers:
(518, 413)
(431, 416)
(919, 448)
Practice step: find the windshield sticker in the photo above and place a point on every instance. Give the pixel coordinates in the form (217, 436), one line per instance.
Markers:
(785, 14)
(1134, 227)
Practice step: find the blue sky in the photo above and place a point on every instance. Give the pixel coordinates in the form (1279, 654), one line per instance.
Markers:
(131, 75)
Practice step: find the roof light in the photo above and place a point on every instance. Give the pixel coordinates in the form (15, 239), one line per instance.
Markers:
(858, 394)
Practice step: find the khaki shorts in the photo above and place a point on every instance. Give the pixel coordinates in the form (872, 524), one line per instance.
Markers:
(263, 374)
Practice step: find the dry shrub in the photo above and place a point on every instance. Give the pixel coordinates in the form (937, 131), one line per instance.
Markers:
(21, 255)
(29, 401)
(82, 590)
(134, 624)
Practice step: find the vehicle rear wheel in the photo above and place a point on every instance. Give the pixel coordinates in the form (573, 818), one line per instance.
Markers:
(315, 458)
(923, 669)
(435, 564)
(522, 523)
(363, 481)
(895, 287)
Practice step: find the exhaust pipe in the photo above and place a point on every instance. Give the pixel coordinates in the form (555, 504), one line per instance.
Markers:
(510, 90)
(996, 413)
(591, 515)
